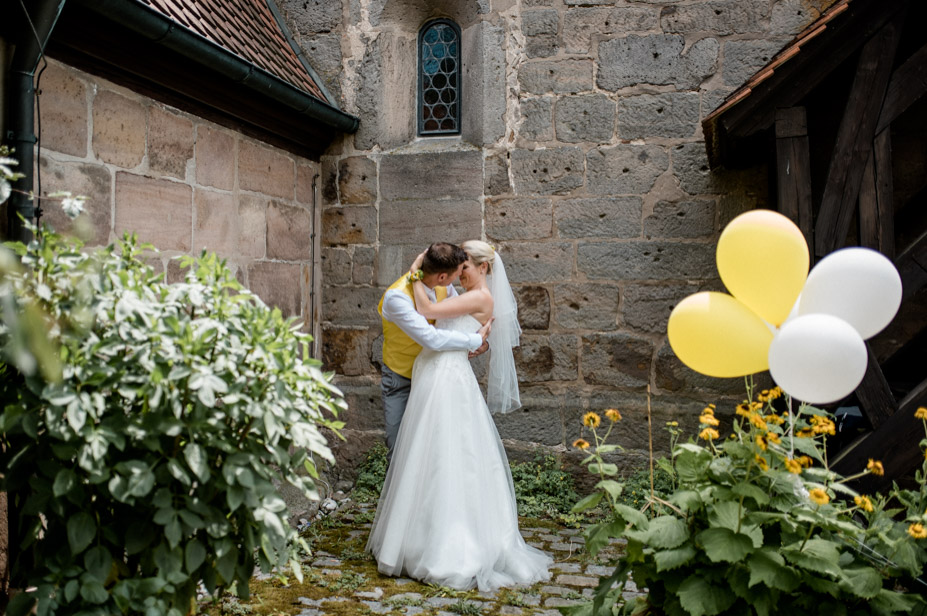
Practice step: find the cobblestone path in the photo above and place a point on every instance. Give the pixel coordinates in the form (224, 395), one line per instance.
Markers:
(340, 579)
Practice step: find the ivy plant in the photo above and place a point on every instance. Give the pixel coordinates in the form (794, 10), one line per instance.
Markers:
(757, 524)
(146, 465)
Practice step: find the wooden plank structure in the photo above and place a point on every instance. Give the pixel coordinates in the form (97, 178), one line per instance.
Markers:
(843, 113)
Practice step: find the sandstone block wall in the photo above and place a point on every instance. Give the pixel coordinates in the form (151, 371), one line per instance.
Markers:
(180, 182)
(581, 157)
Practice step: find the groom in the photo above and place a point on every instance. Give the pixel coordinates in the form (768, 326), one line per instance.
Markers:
(405, 331)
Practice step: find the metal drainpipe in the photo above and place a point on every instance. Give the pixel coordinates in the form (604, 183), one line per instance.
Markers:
(21, 128)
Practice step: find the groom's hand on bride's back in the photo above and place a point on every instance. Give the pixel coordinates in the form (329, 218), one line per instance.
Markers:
(484, 333)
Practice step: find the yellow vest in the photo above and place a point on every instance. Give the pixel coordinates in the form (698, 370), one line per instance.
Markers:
(400, 351)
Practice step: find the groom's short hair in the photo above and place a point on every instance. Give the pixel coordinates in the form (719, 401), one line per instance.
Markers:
(443, 258)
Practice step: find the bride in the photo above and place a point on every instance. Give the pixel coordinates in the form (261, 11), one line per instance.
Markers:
(447, 512)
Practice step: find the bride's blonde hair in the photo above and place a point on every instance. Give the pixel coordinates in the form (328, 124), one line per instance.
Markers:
(480, 252)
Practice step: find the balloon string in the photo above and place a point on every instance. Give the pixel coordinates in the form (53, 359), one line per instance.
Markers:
(791, 427)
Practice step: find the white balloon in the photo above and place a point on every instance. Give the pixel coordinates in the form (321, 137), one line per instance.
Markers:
(858, 285)
(817, 358)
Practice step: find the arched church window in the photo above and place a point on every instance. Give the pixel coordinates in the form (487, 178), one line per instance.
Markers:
(439, 78)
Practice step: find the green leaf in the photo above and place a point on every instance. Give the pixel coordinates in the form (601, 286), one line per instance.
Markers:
(751, 491)
(604, 468)
(98, 562)
(699, 598)
(196, 460)
(724, 545)
(768, 567)
(65, 481)
(725, 514)
(597, 535)
(138, 538)
(818, 555)
(195, 555)
(81, 530)
(633, 517)
(863, 582)
(173, 533)
(892, 601)
(21, 604)
(667, 532)
(693, 466)
(611, 486)
(671, 559)
(587, 503)
(93, 592)
(687, 500)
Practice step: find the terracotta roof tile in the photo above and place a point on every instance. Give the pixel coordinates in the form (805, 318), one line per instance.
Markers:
(248, 29)
(786, 53)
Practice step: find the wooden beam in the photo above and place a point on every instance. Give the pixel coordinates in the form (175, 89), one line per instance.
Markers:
(793, 169)
(854, 138)
(876, 208)
(909, 83)
(801, 74)
(912, 266)
(894, 443)
(875, 396)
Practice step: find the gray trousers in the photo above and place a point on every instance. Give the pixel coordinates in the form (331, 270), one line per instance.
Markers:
(395, 391)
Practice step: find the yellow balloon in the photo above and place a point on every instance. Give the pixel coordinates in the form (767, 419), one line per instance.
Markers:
(715, 334)
(763, 261)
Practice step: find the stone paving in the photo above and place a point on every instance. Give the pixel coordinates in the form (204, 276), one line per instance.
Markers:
(340, 579)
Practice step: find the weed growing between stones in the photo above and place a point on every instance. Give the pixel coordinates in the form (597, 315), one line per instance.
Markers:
(465, 608)
(544, 489)
(370, 474)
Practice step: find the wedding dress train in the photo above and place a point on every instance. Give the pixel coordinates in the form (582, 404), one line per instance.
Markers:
(447, 511)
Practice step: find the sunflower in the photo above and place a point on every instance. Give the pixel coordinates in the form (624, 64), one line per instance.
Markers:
(591, 420)
(758, 421)
(805, 433)
(761, 442)
(709, 420)
(709, 434)
(819, 496)
(775, 392)
(776, 419)
(875, 467)
(613, 415)
(793, 466)
(743, 408)
(863, 503)
(921, 412)
(581, 444)
(772, 437)
(709, 410)
(823, 426)
(917, 531)
(805, 461)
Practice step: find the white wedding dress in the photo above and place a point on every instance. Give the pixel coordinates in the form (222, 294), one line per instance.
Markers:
(447, 512)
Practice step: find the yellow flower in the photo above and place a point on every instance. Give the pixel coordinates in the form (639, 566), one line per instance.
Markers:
(863, 503)
(709, 434)
(613, 415)
(763, 396)
(875, 467)
(581, 444)
(921, 412)
(772, 437)
(823, 425)
(756, 406)
(793, 466)
(758, 421)
(776, 419)
(761, 462)
(819, 496)
(805, 461)
(775, 392)
(709, 420)
(761, 441)
(709, 410)
(591, 420)
(805, 433)
(917, 531)
(672, 423)
(743, 408)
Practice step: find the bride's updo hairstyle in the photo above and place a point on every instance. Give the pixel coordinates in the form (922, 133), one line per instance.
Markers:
(480, 252)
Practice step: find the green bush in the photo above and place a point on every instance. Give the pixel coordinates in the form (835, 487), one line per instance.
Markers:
(755, 526)
(148, 466)
(371, 473)
(542, 488)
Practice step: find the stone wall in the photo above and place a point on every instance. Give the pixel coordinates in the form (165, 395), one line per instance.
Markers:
(181, 183)
(581, 157)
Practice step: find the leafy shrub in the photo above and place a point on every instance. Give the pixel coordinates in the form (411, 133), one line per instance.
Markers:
(147, 467)
(754, 526)
(542, 488)
(371, 473)
(636, 490)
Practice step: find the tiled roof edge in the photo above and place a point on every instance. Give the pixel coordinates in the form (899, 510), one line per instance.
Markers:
(299, 53)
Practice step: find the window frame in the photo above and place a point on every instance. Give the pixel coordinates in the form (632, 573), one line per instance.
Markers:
(420, 92)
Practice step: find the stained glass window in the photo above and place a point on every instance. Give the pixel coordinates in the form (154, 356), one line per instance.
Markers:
(439, 78)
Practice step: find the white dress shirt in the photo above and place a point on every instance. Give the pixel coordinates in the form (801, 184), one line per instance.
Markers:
(398, 308)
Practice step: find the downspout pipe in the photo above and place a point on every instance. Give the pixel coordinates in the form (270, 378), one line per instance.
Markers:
(157, 27)
(21, 123)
